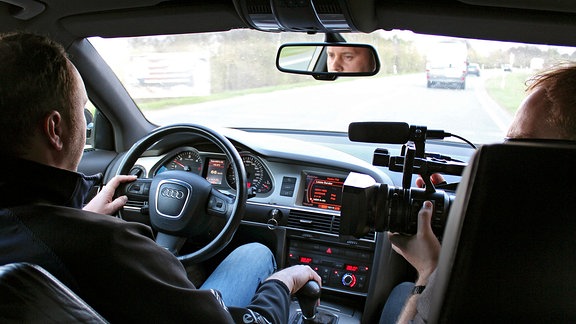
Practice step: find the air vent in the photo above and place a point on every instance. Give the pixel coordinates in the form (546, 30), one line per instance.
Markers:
(323, 223)
(138, 170)
(312, 221)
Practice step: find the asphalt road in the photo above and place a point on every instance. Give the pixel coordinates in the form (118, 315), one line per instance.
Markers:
(333, 105)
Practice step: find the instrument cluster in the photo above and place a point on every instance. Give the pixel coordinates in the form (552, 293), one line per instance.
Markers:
(216, 168)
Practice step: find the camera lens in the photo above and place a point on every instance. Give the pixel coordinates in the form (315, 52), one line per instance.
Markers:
(373, 206)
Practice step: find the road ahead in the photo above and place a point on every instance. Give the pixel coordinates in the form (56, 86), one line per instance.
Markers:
(333, 105)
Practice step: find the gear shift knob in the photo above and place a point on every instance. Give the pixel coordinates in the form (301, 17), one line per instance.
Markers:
(308, 297)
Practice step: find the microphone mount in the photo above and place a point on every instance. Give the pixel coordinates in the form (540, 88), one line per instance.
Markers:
(414, 159)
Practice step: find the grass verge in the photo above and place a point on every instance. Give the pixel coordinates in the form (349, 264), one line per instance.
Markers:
(160, 103)
(508, 88)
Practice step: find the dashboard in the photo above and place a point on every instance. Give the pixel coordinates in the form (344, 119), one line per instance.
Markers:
(294, 198)
(272, 181)
(295, 201)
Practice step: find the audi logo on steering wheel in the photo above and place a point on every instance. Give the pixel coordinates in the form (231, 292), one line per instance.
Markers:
(172, 193)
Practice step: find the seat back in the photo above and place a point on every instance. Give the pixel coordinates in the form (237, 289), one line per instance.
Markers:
(29, 294)
(509, 248)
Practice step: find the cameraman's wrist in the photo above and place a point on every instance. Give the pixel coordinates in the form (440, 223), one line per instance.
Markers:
(422, 281)
(423, 277)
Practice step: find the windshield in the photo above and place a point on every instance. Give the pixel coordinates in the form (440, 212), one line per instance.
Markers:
(230, 79)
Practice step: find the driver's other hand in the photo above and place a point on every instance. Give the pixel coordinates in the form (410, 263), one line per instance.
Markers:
(423, 249)
(436, 179)
(104, 202)
(295, 277)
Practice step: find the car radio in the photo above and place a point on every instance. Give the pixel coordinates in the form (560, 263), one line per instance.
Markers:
(340, 267)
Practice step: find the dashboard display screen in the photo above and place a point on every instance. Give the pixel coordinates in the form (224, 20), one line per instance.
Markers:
(323, 191)
(216, 171)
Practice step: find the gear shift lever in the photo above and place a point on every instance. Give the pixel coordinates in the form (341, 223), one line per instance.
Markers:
(308, 297)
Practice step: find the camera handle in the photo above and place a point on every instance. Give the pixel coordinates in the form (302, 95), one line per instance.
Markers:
(408, 169)
(409, 153)
(415, 148)
(413, 159)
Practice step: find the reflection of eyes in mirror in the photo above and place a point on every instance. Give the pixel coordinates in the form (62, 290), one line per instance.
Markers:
(327, 59)
(350, 59)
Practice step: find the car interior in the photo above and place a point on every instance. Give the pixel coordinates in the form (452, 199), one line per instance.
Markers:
(237, 101)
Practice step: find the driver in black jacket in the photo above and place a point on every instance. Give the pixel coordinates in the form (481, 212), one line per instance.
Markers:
(115, 266)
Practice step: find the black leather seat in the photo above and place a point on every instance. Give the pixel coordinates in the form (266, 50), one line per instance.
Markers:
(509, 248)
(29, 294)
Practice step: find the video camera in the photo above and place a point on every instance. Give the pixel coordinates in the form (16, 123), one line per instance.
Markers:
(368, 205)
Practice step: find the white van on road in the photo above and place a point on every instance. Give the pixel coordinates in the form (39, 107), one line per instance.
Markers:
(447, 64)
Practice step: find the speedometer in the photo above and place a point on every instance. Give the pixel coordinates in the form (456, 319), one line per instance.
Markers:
(188, 160)
(256, 174)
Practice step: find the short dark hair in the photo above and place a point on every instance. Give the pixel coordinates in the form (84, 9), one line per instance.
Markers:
(559, 84)
(35, 79)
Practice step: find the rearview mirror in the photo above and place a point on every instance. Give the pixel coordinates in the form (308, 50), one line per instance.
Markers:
(328, 60)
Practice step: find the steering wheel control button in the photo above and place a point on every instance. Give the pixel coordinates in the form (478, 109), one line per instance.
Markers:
(138, 189)
(135, 188)
(217, 204)
(171, 199)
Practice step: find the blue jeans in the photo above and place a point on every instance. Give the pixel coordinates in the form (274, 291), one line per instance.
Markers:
(240, 274)
(395, 302)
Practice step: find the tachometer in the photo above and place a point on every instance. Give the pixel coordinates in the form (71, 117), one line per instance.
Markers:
(257, 176)
(189, 160)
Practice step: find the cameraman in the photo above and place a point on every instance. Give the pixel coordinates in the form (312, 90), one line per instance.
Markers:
(547, 112)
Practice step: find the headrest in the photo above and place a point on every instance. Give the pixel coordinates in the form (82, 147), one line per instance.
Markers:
(509, 248)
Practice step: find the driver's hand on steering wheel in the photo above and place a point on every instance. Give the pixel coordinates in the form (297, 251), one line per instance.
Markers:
(295, 277)
(104, 202)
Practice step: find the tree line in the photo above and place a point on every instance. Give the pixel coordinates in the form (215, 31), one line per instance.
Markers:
(245, 59)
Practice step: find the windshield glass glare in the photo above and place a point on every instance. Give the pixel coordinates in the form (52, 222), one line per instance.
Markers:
(467, 87)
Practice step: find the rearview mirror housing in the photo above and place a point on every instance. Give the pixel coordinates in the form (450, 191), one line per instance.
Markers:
(327, 61)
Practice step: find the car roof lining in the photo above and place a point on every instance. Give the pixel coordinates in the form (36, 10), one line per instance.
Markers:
(207, 18)
(532, 21)
(489, 23)
(545, 5)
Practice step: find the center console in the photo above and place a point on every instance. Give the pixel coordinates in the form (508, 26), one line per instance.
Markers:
(342, 268)
(305, 218)
(313, 236)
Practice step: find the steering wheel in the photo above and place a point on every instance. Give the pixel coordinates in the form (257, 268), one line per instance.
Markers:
(183, 204)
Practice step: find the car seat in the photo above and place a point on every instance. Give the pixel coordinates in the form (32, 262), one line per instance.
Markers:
(29, 294)
(509, 247)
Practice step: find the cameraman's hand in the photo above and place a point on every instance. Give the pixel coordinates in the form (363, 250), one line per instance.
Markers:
(436, 179)
(421, 250)
(103, 202)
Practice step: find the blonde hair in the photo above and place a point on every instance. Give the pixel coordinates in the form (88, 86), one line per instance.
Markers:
(559, 84)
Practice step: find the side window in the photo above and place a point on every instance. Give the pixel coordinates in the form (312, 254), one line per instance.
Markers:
(89, 113)
(99, 132)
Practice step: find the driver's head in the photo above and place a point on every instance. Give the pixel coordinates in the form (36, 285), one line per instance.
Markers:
(42, 99)
(549, 109)
(350, 59)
